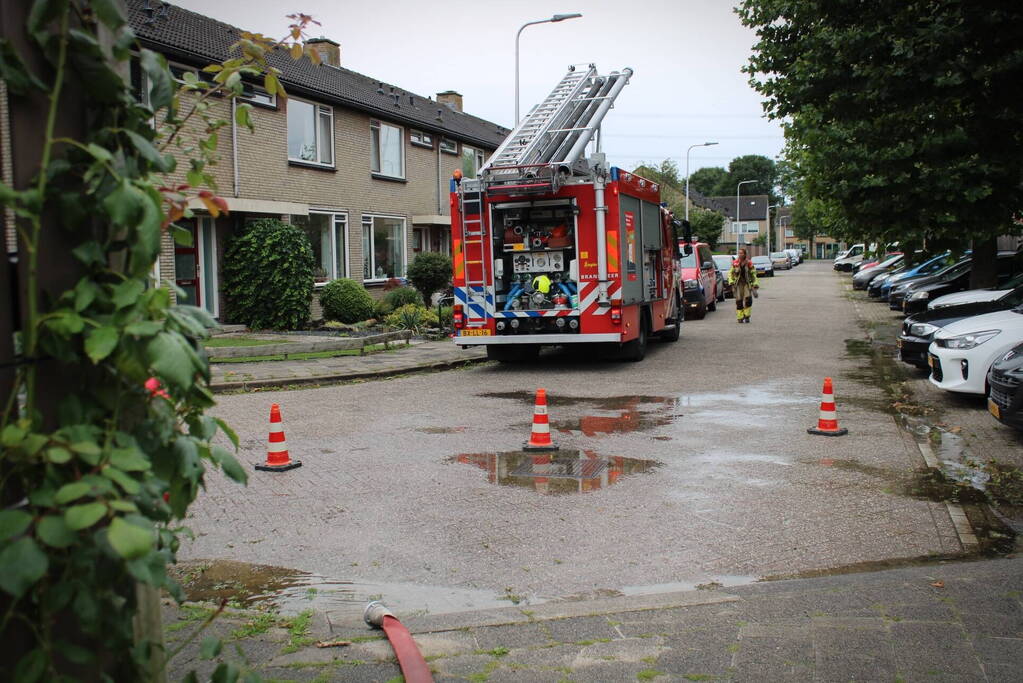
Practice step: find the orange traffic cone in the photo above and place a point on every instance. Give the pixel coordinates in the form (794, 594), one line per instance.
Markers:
(827, 424)
(277, 458)
(540, 437)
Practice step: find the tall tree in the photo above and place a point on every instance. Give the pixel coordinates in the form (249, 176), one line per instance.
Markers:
(706, 180)
(750, 167)
(901, 114)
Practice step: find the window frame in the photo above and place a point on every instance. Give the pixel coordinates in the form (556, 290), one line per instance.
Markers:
(479, 158)
(337, 269)
(425, 139)
(256, 90)
(370, 254)
(454, 146)
(743, 228)
(377, 125)
(318, 111)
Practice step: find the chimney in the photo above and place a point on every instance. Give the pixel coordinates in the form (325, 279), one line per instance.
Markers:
(450, 98)
(330, 52)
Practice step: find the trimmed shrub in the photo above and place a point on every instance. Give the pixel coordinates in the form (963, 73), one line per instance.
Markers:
(346, 300)
(396, 298)
(428, 272)
(268, 276)
(411, 317)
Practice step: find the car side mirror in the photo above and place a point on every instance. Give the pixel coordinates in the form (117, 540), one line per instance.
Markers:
(707, 264)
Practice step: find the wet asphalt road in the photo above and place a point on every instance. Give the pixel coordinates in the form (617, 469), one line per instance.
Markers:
(694, 466)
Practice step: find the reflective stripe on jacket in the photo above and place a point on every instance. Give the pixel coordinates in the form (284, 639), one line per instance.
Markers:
(735, 273)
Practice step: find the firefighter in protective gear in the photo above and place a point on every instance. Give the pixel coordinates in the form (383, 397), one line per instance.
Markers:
(743, 278)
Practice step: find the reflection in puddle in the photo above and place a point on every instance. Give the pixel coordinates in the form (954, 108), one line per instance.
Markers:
(289, 591)
(556, 472)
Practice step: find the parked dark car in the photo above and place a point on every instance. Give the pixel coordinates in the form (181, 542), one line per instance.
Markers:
(956, 279)
(898, 293)
(1005, 388)
(928, 266)
(723, 262)
(863, 278)
(874, 288)
(918, 330)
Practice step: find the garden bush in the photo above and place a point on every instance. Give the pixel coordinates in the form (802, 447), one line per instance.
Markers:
(396, 298)
(428, 272)
(268, 276)
(411, 317)
(346, 300)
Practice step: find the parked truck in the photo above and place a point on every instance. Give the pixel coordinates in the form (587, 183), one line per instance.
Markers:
(551, 247)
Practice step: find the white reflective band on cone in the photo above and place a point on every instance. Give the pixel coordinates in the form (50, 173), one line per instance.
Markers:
(542, 428)
(540, 410)
(829, 415)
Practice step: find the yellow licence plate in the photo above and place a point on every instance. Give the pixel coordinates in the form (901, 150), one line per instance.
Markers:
(475, 332)
(930, 361)
(898, 343)
(992, 408)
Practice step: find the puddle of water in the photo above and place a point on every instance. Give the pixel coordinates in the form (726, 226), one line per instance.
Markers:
(555, 472)
(601, 402)
(289, 591)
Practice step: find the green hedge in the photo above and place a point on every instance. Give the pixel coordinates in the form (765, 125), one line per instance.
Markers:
(268, 276)
(346, 300)
(396, 298)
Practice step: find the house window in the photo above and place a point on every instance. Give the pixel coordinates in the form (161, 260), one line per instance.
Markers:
(789, 232)
(310, 132)
(383, 247)
(386, 150)
(257, 95)
(472, 160)
(745, 227)
(328, 236)
(418, 137)
(449, 146)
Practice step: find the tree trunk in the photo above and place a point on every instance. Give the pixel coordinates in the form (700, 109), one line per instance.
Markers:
(984, 272)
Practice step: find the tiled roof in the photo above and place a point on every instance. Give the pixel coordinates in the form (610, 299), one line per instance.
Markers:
(199, 40)
(753, 207)
(705, 202)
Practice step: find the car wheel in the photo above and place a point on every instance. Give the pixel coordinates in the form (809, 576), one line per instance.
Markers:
(513, 353)
(672, 335)
(700, 313)
(713, 305)
(721, 293)
(635, 350)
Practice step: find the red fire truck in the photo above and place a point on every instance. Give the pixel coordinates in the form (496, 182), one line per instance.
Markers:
(551, 247)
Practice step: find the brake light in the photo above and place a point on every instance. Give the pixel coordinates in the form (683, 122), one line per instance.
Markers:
(458, 317)
(616, 315)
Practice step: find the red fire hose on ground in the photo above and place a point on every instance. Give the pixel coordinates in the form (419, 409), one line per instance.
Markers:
(410, 659)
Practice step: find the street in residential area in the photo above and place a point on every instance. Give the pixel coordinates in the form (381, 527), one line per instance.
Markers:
(692, 469)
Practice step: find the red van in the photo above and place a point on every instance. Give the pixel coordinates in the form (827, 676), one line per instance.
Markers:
(699, 281)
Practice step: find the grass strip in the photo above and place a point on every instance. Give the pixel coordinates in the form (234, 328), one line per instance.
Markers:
(309, 355)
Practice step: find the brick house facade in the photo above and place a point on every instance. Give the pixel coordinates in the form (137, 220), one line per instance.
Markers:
(370, 195)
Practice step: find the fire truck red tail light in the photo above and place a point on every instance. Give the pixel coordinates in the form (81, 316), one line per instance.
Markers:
(458, 317)
(616, 315)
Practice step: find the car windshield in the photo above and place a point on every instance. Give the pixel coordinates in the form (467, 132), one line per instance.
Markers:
(723, 262)
(932, 266)
(1012, 284)
(956, 270)
(890, 261)
(1013, 298)
(761, 259)
(779, 254)
(689, 261)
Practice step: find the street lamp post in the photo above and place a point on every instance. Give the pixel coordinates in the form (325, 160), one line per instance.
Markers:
(738, 230)
(553, 19)
(703, 144)
(772, 206)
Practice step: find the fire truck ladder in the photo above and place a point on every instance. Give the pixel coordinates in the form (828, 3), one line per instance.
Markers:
(475, 297)
(552, 138)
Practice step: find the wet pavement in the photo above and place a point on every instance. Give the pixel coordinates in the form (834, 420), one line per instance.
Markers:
(739, 487)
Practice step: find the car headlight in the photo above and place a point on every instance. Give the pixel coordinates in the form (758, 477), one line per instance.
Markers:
(919, 296)
(967, 341)
(922, 329)
(690, 284)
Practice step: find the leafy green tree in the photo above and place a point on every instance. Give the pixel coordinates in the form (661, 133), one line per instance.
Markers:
(750, 167)
(706, 225)
(105, 440)
(900, 114)
(707, 180)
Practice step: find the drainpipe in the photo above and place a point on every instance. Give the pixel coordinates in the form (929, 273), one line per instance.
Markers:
(234, 146)
(440, 186)
(600, 209)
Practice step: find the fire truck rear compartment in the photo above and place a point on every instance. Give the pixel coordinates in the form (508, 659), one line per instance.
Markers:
(536, 288)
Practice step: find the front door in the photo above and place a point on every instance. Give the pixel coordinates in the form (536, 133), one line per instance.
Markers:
(186, 270)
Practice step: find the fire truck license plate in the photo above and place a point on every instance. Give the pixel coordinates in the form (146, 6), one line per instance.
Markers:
(477, 332)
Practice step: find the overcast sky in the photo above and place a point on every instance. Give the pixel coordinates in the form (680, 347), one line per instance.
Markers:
(686, 55)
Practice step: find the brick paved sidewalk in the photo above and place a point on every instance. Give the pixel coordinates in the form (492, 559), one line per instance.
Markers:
(949, 622)
(433, 355)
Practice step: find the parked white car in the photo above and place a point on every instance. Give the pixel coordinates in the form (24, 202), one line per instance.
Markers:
(962, 353)
(973, 296)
